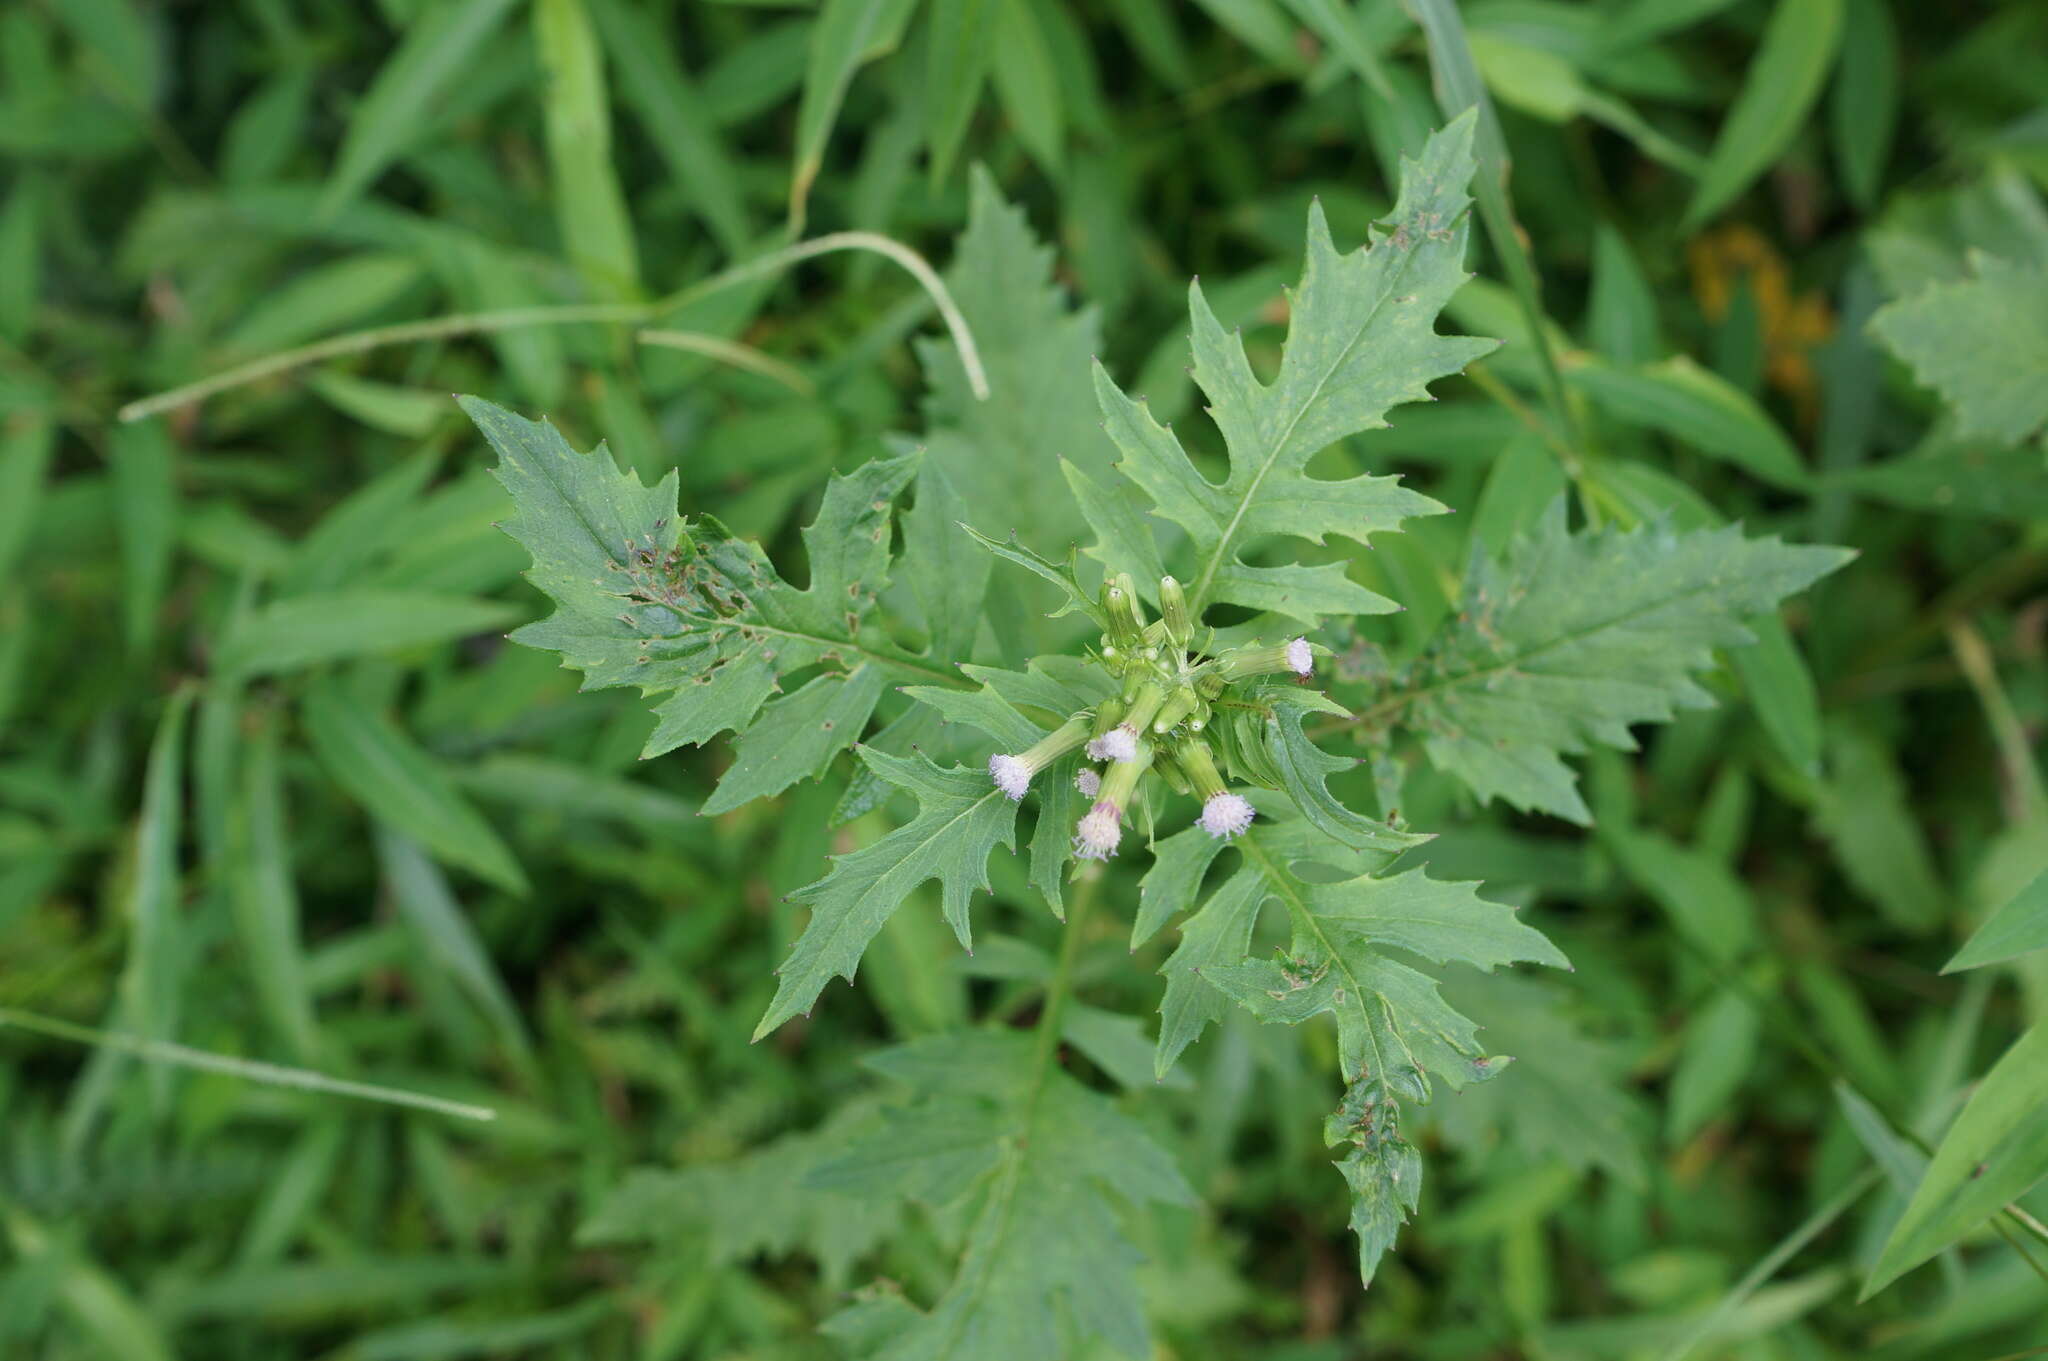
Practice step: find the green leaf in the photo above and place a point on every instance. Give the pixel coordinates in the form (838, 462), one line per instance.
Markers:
(1715, 1058)
(1063, 575)
(1395, 1031)
(1976, 478)
(673, 113)
(1783, 81)
(962, 817)
(648, 599)
(26, 445)
(1304, 770)
(797, 736)
(388, 773)
(590, 208)
(148, 985)
(1027, 82)
(1782, 691)
(1391, 1021)
(1000, 454)
(1982, 342)
(1622, 311)
(1361, 339)
(146, 511)
(264, 897)
(847, 35)
(2019, 927)
(306, 630)
(329, 298)
(1699, 408)
(1042, 1174)
(1570, 1098)
(1994, 1153)
(1568, 639)
(432, 55)
(429, 906)
(1863, 113)
(1218, 936)
(1383, 1170)
(960, 43)
(763, 1202)
(1866, 810)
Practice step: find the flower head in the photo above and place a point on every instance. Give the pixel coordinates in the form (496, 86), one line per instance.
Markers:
(1118, 744)
(1089, 781)
(1226, 815)
(1099, 832)
(1300, 660)
(1011, 775)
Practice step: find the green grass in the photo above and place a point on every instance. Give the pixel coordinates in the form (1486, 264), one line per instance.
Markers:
(303, 868)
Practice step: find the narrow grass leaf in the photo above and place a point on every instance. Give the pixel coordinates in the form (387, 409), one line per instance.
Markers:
(590, 209)
(146, 515)
(1698, 408)
(846, 35)
(430, 58)
(1996, 1152)
(148, 986)
(1783, 81)
(2019, 927)
(265, 899)
(326, 626)
(390, 775)
(431, 908)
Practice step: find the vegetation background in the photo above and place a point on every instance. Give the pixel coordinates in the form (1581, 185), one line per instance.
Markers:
(272, 788)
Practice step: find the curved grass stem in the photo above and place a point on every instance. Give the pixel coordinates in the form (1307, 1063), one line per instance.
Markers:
(253, 1070)
(645, 315)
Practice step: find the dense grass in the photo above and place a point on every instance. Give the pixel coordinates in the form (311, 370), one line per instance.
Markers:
(272, 788)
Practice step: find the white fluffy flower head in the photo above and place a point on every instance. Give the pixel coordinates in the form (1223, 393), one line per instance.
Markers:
(1011, 775)
(1226, 815)
(1097, 835)
(1089, 781)
(1118, 744)
(1300, 659)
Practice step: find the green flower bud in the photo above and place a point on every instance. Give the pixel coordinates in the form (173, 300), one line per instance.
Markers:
(1173, 609)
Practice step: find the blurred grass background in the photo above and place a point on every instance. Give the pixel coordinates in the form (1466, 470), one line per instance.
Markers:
(271, 786)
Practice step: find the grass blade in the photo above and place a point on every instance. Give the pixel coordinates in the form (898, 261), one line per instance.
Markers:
(1784, 80)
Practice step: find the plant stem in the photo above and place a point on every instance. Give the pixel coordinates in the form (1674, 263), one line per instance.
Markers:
(1060, 988)
(305, 1079)
(630, 313)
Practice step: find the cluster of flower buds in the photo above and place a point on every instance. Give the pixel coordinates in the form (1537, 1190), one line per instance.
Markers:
(1154, 722)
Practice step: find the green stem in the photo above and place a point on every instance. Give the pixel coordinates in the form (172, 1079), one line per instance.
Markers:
(638, 314)
(1060, 989)
(1459, 87)
(163, 1051)
(2015, 750)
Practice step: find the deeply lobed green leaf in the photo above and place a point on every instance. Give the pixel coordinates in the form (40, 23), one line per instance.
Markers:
(1361, 339)
(1569, 638)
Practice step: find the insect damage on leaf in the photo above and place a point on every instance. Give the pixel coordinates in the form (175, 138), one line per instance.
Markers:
(645, 598)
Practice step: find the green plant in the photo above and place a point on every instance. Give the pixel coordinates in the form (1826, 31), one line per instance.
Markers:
(1563, 640)
(363, 993)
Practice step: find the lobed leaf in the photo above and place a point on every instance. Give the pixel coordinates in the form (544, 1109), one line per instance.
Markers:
(648, 599)
(962, 817)
(1569, 638)
(1980, 341)
(1361, 339)
(1042, 1171)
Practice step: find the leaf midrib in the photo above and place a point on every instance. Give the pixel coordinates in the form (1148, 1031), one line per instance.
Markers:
(1222, 551)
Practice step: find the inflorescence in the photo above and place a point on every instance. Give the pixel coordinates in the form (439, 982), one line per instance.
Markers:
(1154, 723)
